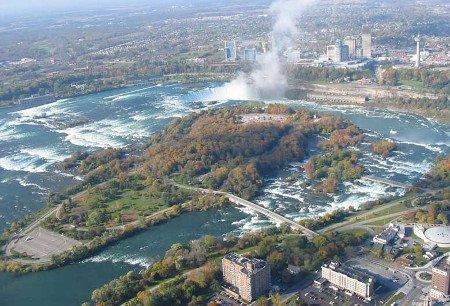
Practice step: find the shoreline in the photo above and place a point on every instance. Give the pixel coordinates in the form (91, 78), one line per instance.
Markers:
(441, 116)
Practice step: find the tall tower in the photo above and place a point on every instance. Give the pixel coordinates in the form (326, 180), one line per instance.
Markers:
(366, 39)
(351, 43)
(417, 40)
(230, 50)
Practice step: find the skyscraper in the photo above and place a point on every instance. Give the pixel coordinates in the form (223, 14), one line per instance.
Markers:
(366, 38)
(351, 43)
(338, 52)
(249, 278)
(250, 54)
(417, 40)
(230, 50)
(440, 286)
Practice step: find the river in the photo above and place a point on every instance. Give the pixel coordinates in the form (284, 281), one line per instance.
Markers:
(35, 137)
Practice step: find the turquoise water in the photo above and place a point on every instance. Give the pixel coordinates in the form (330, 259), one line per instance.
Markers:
(33, 138)
(73, 284)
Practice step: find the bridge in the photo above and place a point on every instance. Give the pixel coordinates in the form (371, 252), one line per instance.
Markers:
(258, 208)
(381, 180)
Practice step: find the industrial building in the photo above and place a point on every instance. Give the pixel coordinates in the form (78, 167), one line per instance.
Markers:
(248, 278)
(349, 278)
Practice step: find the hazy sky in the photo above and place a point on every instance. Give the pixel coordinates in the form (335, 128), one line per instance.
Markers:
(22, 7)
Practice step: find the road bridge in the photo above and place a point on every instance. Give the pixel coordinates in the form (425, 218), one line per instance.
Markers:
(258, 208)
(386, 181)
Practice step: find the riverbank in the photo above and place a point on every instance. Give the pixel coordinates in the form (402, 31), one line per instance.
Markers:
(427, 104)
(21, 264)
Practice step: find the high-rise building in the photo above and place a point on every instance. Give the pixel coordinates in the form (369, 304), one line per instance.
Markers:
(250, 54)
(230, 50)
(417, 40)
(331, 53)
(249, 278)
(440, 282)
(338, 52)
(351, 43)
(348, 278)
(366, 38)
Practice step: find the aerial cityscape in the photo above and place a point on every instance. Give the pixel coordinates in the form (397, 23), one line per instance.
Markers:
(225, 152)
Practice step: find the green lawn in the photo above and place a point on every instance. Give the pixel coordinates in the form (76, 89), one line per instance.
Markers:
(133, 200)
(415, 85)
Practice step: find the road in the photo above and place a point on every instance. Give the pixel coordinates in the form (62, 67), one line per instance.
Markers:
(255, 207)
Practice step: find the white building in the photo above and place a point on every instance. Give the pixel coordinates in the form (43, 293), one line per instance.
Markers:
(348, 278)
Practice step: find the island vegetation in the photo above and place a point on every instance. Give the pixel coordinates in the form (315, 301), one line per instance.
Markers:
(124, 191)
(384, 148)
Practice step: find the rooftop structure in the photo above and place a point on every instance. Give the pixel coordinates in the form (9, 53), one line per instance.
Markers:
(349, 278)
(438, 235)
(250, 278)
(386, 236)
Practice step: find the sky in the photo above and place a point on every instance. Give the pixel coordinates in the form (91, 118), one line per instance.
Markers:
(41, 7)
(27, 7)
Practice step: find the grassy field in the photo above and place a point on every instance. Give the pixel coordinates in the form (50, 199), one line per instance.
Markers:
(415, 85)
(126, 205)
(135, 202)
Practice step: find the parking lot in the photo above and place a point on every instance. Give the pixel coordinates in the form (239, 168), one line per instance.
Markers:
(225, 299)
(388, 280)
(42, 244)
(327, 296)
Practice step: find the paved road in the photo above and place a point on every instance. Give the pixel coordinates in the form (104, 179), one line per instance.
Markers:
(262, 210)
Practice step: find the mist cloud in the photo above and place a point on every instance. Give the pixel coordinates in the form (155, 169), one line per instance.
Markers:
(267, 81)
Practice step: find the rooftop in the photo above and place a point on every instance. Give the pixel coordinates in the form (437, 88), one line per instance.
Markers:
(443, 264)
(388, 234)
(439, 234)
(351, 272)
(249, 265)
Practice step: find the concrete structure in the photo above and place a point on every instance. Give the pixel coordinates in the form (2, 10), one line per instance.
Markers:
(436, 235)
(366, 39)
(348, 278)
(250, 278)
(417, 40)
(259, 209)
(250, 55)
(230, 51)
(385, 181)
(440, 286)
(351, 43)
